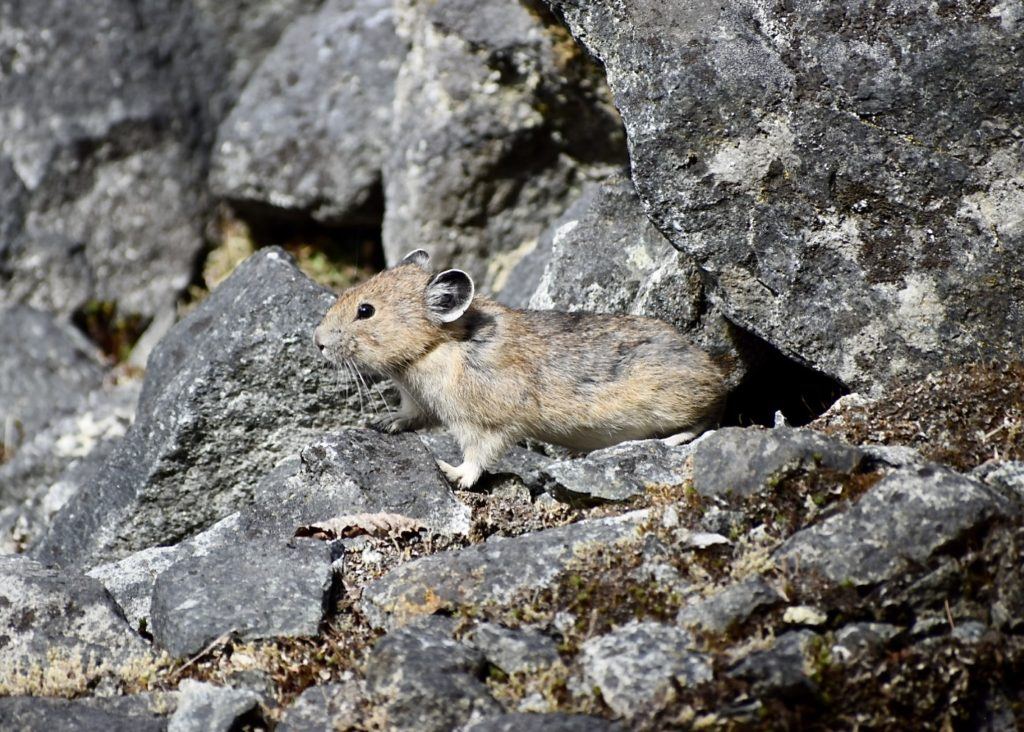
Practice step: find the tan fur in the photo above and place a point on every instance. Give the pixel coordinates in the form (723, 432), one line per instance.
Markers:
(495, 375)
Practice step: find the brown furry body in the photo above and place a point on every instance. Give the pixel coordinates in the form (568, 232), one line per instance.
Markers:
(494, 375)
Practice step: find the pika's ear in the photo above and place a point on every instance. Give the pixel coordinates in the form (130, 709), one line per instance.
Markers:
(418, 257)
(448, 295)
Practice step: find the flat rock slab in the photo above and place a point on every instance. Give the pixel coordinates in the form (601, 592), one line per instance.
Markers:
(494, 571)
(252, 588)
(743, 460)
(620, 472)
(204, 707)
(636, 666)
(901, 523)
(47, 615)
(356, 471)
(31, 714)
(232, 389)
(131, 580)
(427, 681)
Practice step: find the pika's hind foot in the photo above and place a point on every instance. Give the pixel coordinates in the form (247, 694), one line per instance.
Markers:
(464, 476)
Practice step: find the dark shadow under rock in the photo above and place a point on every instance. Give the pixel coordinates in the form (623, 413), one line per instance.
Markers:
(781, 669)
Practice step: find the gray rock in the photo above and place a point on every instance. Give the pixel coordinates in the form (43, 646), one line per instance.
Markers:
(558, 722)
(427, 681)
(619, 472)
(783, 668)
(46, 369)
(233, 388)
(520, 650)
(31, 714)
(318, 708)
(47, 470)
(130, 581)
(356, 471)
(110, 112)
(309, 132)
(249, 31)
(1007, 475)
(250, 588)
(204, 707)
(604, 255)
(496, 121)
(637, 666)
(493, 571)
(801, 164)
(857, 639)
(743, 460)
(49, 616)
(733, 605)
(898, 525)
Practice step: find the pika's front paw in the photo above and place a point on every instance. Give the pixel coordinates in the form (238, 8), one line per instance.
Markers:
(392, 425)
(464, 476)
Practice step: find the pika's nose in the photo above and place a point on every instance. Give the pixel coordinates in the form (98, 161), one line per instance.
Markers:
(316, 339)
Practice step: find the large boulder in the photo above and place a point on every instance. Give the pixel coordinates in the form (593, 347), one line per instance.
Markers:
(855, 204)
(309, 132)
(497, 118)
(234, 387)
(109, 110)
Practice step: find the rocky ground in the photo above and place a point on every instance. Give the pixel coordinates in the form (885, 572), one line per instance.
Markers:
(197, 529)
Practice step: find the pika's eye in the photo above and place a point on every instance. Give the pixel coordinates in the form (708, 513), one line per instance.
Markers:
(364, 311)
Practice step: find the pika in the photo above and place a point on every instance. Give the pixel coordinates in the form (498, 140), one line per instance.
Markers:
(493, 375)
